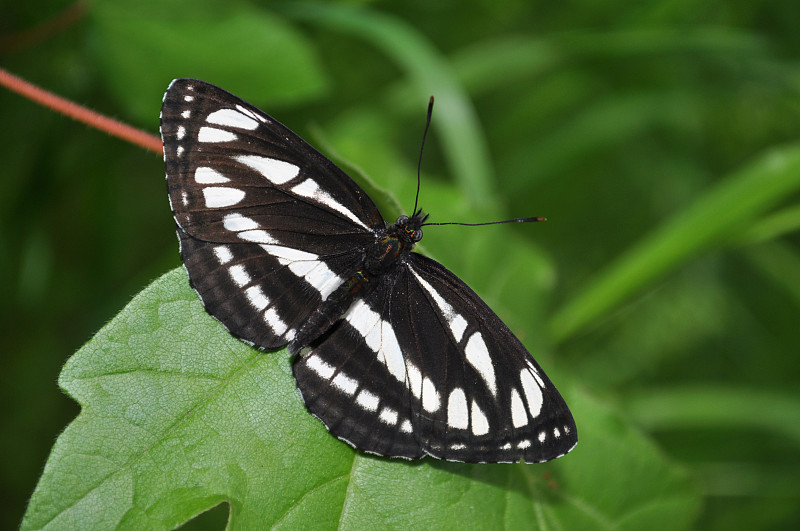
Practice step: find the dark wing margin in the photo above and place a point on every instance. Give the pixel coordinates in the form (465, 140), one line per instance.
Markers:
(268, 226)
(423, 366)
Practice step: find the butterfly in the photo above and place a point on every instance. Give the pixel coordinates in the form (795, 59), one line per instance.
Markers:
(395, 354)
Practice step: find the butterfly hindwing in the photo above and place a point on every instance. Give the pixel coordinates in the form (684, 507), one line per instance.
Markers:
(423, 366)
(354, 380)
(262, 297)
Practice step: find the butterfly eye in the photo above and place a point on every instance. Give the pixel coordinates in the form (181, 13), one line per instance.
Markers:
(417, 235)
(402, 220)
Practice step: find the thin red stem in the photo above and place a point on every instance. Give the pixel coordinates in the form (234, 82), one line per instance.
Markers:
(80, 113)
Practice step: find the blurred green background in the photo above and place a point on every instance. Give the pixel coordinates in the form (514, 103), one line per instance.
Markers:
(660, 138)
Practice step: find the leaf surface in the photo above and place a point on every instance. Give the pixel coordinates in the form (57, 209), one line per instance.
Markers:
(178, 417)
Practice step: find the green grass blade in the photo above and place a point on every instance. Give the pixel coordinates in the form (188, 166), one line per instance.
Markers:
(738, 199)
(460, 132)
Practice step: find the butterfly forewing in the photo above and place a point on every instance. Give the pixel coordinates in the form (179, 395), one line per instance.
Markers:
(268, 226)
(232, 169)
(407, 360)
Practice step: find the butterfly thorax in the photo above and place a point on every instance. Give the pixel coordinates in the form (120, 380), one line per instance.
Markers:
(380, 257)
(392, 245)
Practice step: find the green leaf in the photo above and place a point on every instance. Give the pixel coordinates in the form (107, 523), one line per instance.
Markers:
(178, 416)
(243, 48)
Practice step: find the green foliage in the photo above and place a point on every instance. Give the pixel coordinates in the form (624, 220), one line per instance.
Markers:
(177, 417)
(662, 296)
(708, 222)
(198, 46)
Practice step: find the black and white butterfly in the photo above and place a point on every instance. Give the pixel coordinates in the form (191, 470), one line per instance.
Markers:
(397, 356)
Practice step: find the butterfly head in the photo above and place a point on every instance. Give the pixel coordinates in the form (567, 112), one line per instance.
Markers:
(411, 227)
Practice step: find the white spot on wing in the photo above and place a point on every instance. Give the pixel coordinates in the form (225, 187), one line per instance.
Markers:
(455, 321)
(223, 254)
(310, 189)
(246, 229)
(323, 279)
(367, 400)
(213, 135)
(458, 324)
(362, 318)
(405, 427)
(317, 274)
(391, 355)
(533, 393)
(542, 437)
(237, 223)
(286, 255)
(250, 113)
(478, 356)
(379, 336)
(204, 175)
(518, 415)
(523, 444)
(274, 170)
(319, 366)
(232, 118)
(239, 275)
(180, 133)
(256, 236)
(302, 267)
(480, 424)
(414, 379)
(457, 413)
(256, 297)
(345, 384)
(332, 281)
(535, 373)
(430, 396)
(388, 416)
(274, 320)
(186, 114)
(307, 265)
(221, 196)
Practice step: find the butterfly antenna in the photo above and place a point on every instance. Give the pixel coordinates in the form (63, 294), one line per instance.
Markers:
(515, 220)
(421, 149)
(419, 180)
